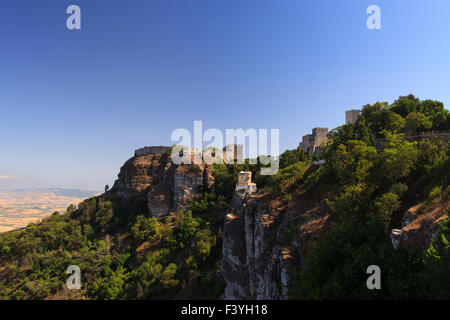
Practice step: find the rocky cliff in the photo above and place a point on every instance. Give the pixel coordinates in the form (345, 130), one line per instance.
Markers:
(252, 268)
(263, 238)
(420, 224)
(167, 187)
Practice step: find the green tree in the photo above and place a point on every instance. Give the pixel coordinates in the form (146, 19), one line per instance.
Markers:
(396, 161)
(167, 276)
(417, 122)
(386, 205)
(379, 116)
(350, 163)
(404, 105)
(204, 240)
(145, 229)
(290, 157)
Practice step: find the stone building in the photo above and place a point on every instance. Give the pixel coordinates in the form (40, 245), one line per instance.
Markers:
(351, 116)
(245, 182)
(315, 142)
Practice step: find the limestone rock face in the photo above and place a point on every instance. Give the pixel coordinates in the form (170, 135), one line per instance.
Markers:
(264, 237)
(138, 173)
(167, 187)
(160, 196)
(252, 266)
(186, 180)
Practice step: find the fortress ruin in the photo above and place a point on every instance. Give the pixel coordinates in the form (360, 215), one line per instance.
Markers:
(315, 142)
(230, 153)
(150, 150)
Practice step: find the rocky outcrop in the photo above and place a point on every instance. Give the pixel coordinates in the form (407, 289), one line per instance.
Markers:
(187, 179)
(263, 238)
(167, 187)
(140, 172)
(420, 224)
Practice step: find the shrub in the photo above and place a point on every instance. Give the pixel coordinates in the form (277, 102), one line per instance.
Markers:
(436, 193)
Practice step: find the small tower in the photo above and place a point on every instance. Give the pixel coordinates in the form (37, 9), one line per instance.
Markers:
(351, 116)
(245, 182)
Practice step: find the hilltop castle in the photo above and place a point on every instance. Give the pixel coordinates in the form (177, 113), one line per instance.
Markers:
(315, 142)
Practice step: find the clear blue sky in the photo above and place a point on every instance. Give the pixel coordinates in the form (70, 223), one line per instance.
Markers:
(75, 104)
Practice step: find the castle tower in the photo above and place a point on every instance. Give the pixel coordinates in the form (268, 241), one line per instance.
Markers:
(351, 116)
(320, 135)
(245, 182)
(244, 178)
(315, 142)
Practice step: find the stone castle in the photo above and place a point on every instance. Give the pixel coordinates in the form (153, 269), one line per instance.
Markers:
(315, 142)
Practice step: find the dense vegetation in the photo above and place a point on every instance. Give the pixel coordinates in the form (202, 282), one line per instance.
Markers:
(375, 170)
(122, 254)
(375, 174)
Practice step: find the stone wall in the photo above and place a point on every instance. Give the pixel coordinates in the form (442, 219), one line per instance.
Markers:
(150, 150)
(320, 135)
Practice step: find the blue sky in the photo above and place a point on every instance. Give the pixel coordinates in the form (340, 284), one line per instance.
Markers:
(75, 104)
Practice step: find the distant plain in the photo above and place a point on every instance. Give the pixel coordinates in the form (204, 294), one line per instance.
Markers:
(18, 208)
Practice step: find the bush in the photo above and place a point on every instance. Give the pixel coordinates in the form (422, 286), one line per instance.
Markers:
(167, 277)
(386, 205)
(436, 193)
(145, 229)
(204, 240)
(436, 262)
